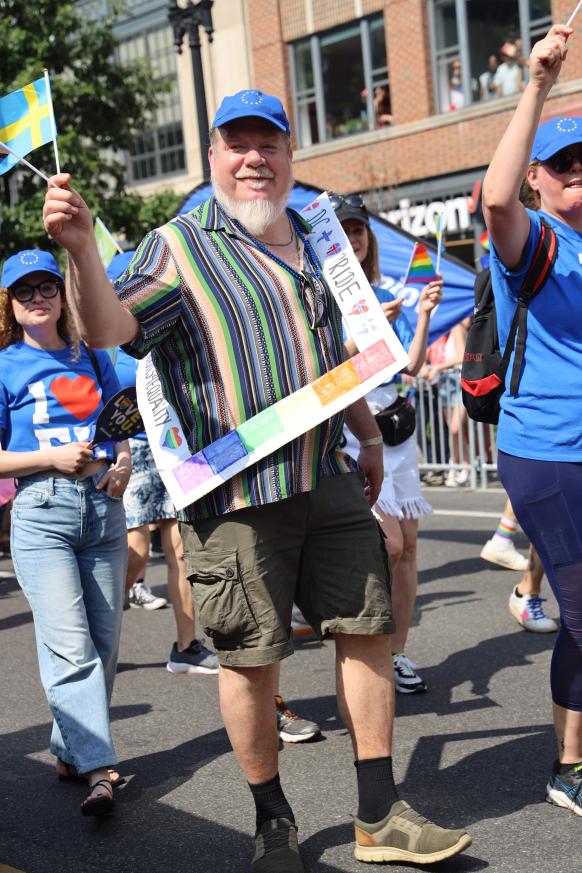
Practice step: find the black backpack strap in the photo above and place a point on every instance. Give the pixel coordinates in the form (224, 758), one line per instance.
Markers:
(96, 366)
(533, 282)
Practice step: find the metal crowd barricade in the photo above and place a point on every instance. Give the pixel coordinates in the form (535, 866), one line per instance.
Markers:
(470, 454)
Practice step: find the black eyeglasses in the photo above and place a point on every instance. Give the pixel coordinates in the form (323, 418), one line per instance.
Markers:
(24, 292)
(314, 299)
(354, 200)
(563, 161)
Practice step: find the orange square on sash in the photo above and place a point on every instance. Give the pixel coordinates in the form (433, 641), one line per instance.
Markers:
(335, 383)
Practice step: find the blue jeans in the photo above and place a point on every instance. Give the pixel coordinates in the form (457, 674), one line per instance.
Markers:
(69, 549)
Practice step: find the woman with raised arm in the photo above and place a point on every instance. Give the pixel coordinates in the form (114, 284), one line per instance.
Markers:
(540, 434)
(69, 545)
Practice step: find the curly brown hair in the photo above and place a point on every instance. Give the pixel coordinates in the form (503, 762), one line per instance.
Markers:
(11, 332)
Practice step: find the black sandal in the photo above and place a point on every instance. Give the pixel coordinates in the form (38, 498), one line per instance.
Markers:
(101, 805)
(71, 774)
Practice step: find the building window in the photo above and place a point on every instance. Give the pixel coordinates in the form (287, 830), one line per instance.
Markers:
(340, 82)
(158, 150)
(480, 49)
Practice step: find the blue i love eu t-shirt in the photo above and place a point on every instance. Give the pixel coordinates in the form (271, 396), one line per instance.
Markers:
(47, 400)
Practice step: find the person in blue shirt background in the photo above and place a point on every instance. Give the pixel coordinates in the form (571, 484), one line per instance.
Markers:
(400, 503)
(539, 436)
(68, 544)
(146, 501)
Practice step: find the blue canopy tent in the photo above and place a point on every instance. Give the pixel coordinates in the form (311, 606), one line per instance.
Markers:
(395, 247)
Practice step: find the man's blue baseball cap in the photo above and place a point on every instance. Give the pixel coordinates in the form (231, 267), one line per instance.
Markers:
(554, 135)
(21, 264)
(119, 265)
(246, 104)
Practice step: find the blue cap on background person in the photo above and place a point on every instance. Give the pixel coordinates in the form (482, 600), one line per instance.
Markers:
(119, 265)
(245, 104)
(18, 266)
(554, 135)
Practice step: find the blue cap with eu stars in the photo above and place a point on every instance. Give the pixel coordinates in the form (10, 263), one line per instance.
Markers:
(245, 104)
(554, 135)
(29, 261)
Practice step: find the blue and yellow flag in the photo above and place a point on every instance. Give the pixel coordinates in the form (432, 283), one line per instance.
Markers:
(25, 121)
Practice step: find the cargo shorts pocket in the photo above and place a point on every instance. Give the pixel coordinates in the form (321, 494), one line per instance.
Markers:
(221, 600)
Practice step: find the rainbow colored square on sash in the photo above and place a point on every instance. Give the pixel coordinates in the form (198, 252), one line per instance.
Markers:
(192, 472)
(260, 428)
(225, 451)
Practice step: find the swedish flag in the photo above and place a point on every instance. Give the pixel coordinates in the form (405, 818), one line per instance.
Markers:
(25, 121)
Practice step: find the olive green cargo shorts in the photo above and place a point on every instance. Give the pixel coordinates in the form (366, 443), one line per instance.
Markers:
(322, 550)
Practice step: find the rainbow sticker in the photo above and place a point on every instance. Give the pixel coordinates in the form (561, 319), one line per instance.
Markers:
(172, 438)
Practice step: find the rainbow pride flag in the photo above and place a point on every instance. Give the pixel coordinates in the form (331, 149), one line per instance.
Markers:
(484, 240)
(420, 269)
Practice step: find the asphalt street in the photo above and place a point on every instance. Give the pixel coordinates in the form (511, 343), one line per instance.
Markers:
(475, 751)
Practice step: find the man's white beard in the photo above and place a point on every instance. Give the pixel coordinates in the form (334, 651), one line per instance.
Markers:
(254, 215)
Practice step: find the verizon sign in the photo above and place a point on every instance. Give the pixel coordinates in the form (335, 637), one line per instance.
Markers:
(419, 219)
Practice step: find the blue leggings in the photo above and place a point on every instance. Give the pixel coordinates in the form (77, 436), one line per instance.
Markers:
(547, 499)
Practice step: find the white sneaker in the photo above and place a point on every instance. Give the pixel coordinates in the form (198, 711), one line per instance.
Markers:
(141, 597)
(503, 552)
(529, 612)
(451, 480)
(406, 678)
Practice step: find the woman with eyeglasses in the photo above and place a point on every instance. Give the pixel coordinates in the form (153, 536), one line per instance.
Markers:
(400, 503)
(539, 436)
(69, 546)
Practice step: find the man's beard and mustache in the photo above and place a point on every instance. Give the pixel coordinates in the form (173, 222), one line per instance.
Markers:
(254, 215)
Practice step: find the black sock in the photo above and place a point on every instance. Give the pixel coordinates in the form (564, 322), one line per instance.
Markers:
(376, 789)
(270, 802)
(565, 768)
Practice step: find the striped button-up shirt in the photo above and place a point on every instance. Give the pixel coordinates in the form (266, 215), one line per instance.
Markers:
(230, 335)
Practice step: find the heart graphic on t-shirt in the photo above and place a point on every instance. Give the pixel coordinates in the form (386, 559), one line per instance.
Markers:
(79, 396)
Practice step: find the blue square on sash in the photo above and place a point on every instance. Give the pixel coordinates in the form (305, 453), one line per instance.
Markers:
(224, 452)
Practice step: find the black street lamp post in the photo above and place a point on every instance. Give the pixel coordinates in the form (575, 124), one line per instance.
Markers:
(187, 20)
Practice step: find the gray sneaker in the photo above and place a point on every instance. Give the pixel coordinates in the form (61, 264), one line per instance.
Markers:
(276, 848)
(195, 659)
(291, 727)
(406, 836)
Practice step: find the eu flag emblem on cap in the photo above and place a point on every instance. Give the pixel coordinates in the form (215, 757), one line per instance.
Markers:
(554, 135)
(252, 103)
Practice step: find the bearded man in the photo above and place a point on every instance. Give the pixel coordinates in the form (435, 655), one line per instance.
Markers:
(231, 302)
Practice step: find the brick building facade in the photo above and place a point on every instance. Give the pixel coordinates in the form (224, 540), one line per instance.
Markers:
(429, 152)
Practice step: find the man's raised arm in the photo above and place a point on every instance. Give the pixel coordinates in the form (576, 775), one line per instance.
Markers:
(101, 318)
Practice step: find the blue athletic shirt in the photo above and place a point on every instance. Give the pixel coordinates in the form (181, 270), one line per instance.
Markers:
(47, 400)
(544, 421)
(125, 368)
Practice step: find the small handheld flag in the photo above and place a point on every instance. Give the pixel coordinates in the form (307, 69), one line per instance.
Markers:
(484, 240)
(26, 122)
(420, 269)
(4, 149)
(120, 418)
(107, 246)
